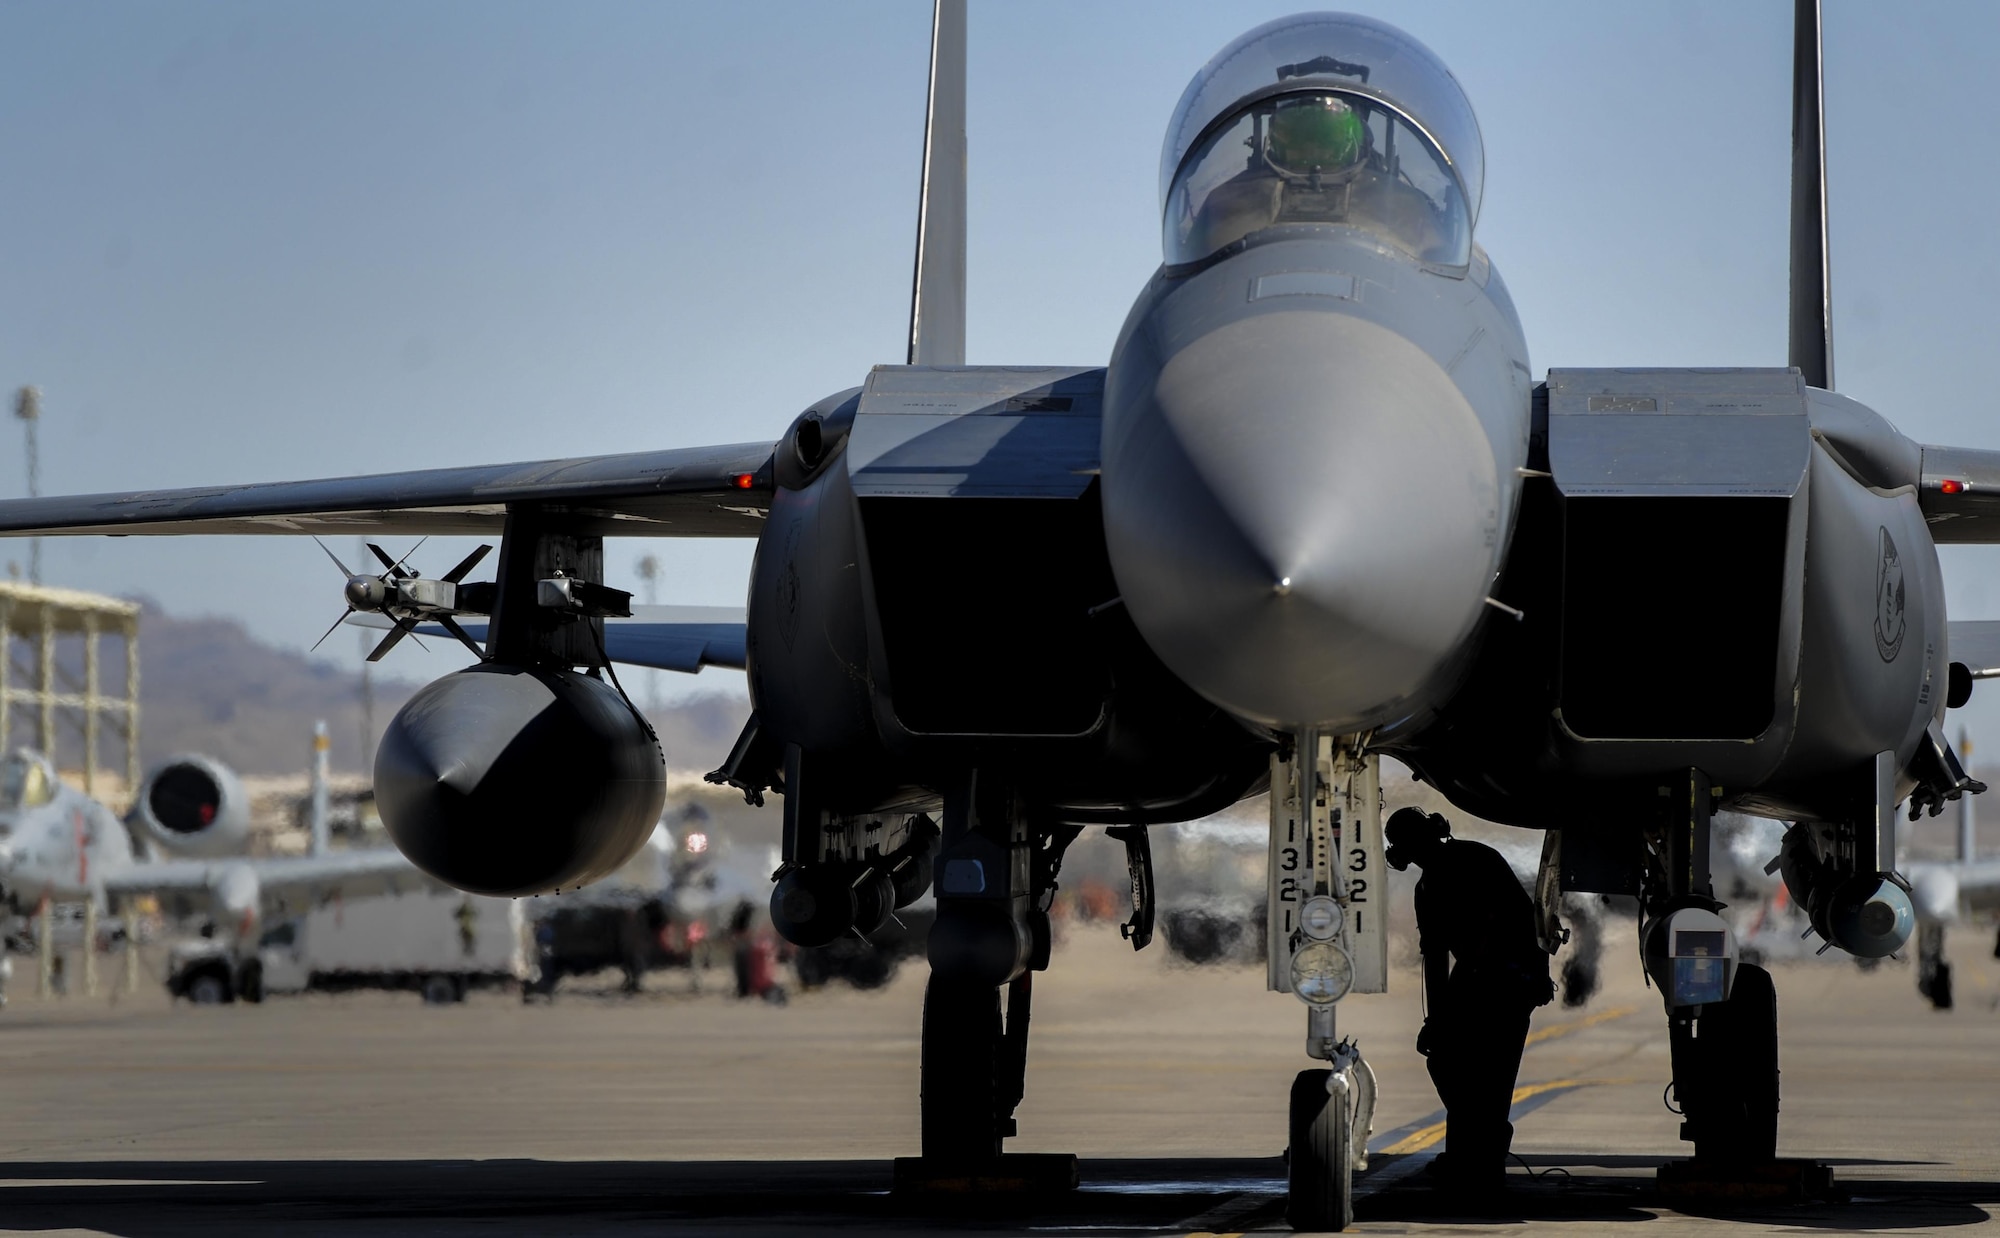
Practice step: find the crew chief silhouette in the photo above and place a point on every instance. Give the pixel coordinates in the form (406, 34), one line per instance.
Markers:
(1484, 972)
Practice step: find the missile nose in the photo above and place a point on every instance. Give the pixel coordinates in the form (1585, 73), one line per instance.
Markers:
(1302, 511)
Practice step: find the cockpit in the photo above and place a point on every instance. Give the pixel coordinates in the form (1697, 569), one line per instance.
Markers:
(1323, 121)
(26, 781)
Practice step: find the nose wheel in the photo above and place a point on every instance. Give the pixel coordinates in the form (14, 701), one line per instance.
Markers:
(1331, 1111)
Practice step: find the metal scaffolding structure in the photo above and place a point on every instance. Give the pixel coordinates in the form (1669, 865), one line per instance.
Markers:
(36, 616)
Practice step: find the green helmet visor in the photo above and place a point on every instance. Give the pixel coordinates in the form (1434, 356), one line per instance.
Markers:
(1317, 133)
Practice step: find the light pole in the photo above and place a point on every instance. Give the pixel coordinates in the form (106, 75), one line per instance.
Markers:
(28, 407)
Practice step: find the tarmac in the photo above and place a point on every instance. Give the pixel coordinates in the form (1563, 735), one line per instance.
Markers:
(688, 1112)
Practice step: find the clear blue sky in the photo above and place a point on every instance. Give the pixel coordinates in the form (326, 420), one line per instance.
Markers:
(245, 241)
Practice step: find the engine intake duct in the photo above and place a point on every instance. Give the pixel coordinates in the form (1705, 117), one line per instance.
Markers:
(1683, 531)
(1638, 630)
(192, 806)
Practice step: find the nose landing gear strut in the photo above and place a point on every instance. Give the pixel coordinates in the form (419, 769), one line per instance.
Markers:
(1327, 935)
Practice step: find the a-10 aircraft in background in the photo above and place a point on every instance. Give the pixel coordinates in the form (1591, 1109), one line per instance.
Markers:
(992, 606)
(184, 842)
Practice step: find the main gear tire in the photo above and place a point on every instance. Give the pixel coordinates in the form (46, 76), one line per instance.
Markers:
(960, 1088)
(1320, 1164)
(1738, 1053)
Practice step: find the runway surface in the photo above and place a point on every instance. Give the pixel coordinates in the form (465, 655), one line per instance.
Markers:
(682, 1112)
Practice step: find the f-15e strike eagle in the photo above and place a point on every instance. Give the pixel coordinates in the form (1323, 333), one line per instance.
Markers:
(992, 606)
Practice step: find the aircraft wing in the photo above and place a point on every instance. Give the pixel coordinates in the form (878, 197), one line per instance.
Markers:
(1960, 495)
(1979, 886)
(684, 492)
(283, 882)
(1975, 644)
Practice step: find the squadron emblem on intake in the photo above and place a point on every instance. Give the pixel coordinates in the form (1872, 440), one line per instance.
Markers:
(1889, 622)
(788, 590)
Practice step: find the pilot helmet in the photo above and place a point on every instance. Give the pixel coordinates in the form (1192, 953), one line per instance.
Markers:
(1316, 133)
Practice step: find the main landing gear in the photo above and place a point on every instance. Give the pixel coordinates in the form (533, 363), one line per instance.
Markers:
(995, 876)
(975, 1066)
(1722, 1018)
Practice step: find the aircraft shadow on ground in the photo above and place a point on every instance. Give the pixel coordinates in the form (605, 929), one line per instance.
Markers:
(1563, 1189)
(166, 1199)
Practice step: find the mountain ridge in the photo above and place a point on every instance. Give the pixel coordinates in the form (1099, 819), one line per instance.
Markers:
(207, 685)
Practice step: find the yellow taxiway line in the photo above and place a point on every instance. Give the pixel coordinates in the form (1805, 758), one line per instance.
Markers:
(1557, 1030)
(1425, 1137)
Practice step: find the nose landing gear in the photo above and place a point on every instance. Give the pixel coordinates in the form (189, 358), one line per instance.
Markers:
(1327, 940)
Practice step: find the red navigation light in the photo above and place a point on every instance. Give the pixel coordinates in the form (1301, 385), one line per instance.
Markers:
(743, 481)
(1949, 486)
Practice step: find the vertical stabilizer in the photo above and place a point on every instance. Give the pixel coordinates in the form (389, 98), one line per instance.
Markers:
(1812, 307)
(937, 297)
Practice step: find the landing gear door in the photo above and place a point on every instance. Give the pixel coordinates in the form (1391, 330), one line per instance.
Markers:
(1346, 812)
(1289, 873)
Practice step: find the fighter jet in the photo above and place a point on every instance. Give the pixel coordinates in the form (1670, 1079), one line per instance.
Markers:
(184, 842)
(994, 605)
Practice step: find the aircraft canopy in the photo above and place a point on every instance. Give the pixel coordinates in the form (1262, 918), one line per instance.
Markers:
(26, 781)
(1331, 53)
(1317, 160)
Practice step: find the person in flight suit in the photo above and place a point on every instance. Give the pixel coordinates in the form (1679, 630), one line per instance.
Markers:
(1484, 972)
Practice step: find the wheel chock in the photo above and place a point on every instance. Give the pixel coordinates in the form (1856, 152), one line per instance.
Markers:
(1783, 1181)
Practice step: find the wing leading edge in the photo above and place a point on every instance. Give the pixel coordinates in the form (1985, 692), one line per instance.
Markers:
(282, 882)
(685, 492)
(1975, 645)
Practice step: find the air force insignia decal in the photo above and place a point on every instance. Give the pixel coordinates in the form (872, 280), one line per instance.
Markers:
(1889, 597)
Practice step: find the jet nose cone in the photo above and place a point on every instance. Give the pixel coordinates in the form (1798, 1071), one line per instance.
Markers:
(1302, 511)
